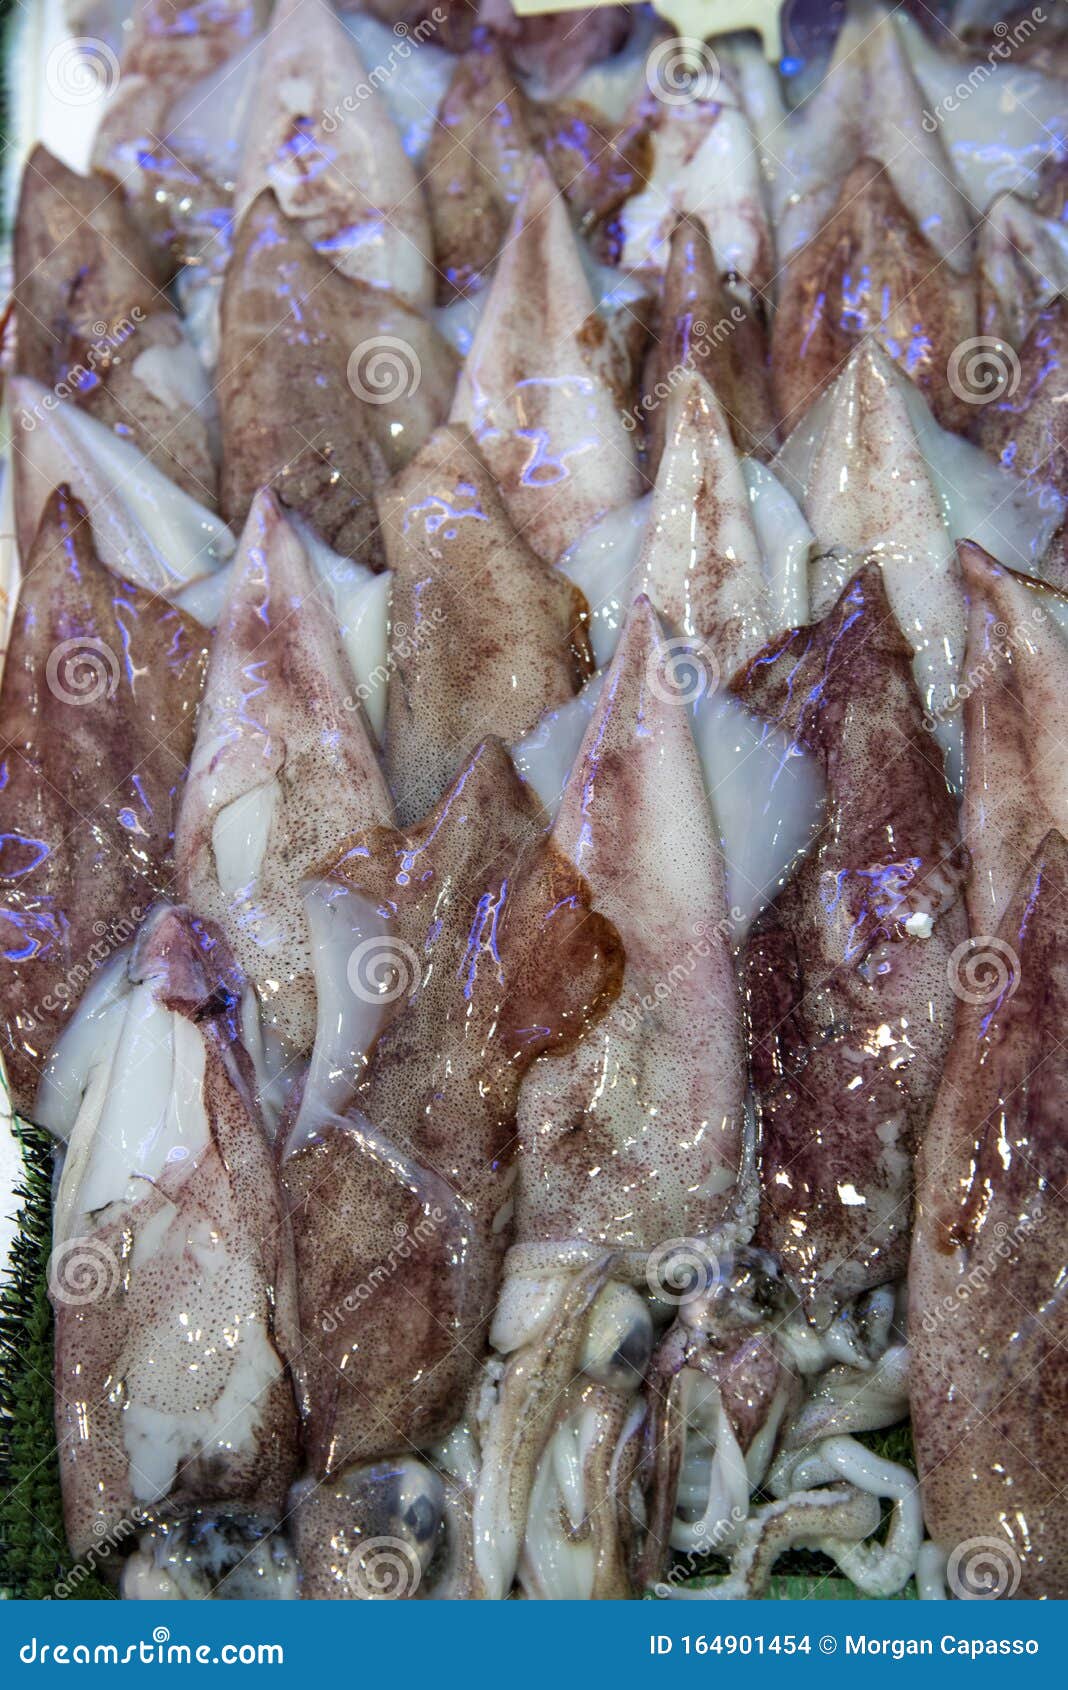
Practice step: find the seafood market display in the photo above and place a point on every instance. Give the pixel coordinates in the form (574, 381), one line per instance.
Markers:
(533, 813)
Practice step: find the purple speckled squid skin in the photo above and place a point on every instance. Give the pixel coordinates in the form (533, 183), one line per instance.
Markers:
(988, 1372)
(193, 1276)
(298, 418)
(100, 688)
(845, 975)
(869, 272)
(505, 962)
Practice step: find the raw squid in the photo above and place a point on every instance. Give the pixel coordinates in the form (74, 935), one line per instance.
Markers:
(1023, 266)
(629, 1147)
(1025, 426)
(172, 135)
(703, 163)
(95, 326)
(321, 138)
(354, 382)
(875, 474)
(1015, 728)
(101, 682)
(171, 1273)
(701, 562)
(870, 271)
(486, 636)
(144, 526)
(848, 998)
(281, 772)
(541, 386)
(869, 105)
(477, 952)
(986, 1279)
(487, 136)
(703, 326)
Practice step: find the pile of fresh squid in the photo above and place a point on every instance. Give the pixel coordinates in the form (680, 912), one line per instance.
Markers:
(533, 801)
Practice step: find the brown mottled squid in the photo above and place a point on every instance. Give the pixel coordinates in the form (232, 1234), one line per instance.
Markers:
(171, 1273)
(876, 476)
(630, 1149)
(95, 326)
(870, 270)
(172, 136)
(541, 389)
(321, 137)
(849, 1003)
(101, 683)
(1015, 728)
(869, 105)
(704, 327)
(145, 527)
(327, 385)
(282, 770)
(989, 1382)
(487, 135)
(472, 950)
(486, 635)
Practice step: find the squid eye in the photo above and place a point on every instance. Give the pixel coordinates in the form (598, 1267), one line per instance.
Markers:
(619, 1339)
